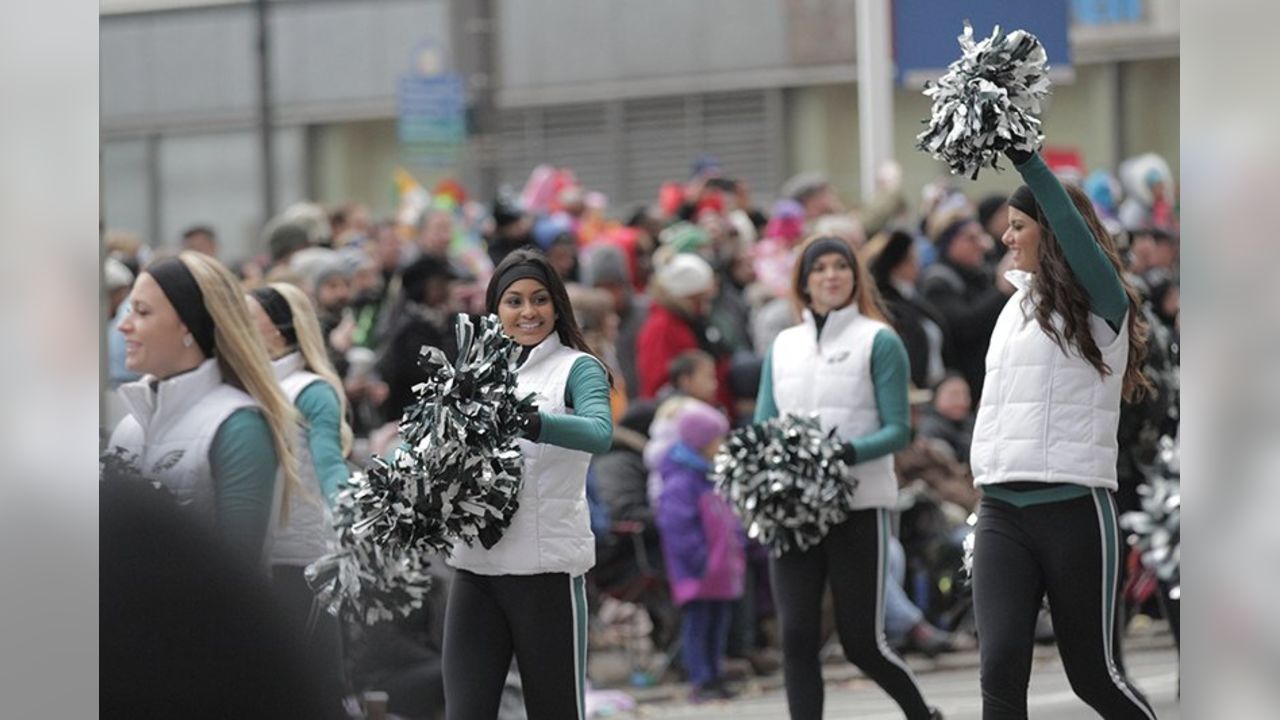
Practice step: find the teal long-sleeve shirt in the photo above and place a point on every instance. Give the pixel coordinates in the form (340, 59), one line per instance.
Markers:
(1089, 264)
(243, 462)
(590, 428)
(890, 373)
(320, 407)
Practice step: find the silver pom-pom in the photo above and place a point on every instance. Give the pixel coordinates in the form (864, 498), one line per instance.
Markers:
(787, 481)
(456, 477)
(1156, 529)
(988, 101)
(384, 537)
(969, 540)
(463, 430)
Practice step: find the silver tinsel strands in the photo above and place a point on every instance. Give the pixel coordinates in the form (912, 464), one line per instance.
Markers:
(464, 428)
(787, 481)
(379, 570)
(1156, 529)
(455, 477)
(987, 102)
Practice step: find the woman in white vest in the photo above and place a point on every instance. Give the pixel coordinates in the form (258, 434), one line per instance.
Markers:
(846, 364)
(525, 595)
(291, 333)
(1067, 347)
(207, 419)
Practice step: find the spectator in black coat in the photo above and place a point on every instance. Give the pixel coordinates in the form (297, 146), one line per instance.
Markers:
(896, 268)
(423, 316)
(962, 288)
(950, 418)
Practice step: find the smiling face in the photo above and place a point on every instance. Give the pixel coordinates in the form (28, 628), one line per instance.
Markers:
(830, 283)
(153, 333)
(1023, 240)
(527, 312)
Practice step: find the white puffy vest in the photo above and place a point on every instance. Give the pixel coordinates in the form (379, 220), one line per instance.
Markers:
(831, 375)
(1047, 415)
(551, 530)
(170, 427)
(309, 533)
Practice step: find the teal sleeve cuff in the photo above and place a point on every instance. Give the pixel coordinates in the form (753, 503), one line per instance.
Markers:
(766, 408)
(590, 428)
(1090, 265)
(890, 373)
(243, 461)
(321, 409)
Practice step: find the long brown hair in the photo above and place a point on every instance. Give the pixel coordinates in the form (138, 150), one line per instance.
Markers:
(1058, 292)
(865, 294)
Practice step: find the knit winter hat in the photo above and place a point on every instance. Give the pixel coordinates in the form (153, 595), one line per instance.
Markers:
(685, 275)
(698, 424)
(684, 237)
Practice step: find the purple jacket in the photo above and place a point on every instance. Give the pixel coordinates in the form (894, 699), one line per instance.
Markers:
(701, 537)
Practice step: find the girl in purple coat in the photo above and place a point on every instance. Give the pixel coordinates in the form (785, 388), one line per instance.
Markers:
(703, 547)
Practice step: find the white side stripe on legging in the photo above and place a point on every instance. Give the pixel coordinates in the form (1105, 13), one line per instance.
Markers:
(882, 569)
(578, 601)
(1110, 578)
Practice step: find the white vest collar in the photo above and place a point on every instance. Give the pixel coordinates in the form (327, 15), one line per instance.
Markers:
(286, 365)
(1020, 279)
(543, 350)
(151, 400)
(837, 320)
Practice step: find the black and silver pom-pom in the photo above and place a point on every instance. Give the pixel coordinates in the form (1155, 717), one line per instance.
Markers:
(455, 477)
(787, 480)
(988, 101)
(1156, 529)
(970, 542)
(463, 428)
(384, 539)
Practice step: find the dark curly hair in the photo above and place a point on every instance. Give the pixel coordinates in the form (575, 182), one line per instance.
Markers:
(1058, 292)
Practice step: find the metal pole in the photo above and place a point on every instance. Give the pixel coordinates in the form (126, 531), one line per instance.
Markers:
(264, 114)
(875, 91)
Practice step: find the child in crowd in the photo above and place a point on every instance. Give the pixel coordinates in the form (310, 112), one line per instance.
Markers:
(703, 548)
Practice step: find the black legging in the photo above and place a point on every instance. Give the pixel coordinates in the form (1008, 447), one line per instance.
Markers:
(853, 558)
(542, 619)
(1069, 549)
(321, 633)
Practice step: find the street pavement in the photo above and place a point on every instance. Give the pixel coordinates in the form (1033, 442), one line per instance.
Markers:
(950, 683)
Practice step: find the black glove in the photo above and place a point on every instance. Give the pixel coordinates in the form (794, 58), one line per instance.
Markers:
(531, 424)
(848, 454)
(1017, 157)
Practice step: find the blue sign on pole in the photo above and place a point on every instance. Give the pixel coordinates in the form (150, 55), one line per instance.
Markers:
(432, 118)
(925, 31)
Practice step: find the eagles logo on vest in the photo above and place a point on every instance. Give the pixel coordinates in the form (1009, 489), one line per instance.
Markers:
(167, 461)
(829, 374)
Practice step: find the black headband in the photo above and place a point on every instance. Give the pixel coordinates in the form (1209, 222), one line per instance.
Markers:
(180, 286)
(823, 246)
(1024, 200)
(277, 308)
(518, 271)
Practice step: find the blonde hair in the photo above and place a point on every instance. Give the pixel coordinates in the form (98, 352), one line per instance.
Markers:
(865, 294)
(306, 327)
(244, 362)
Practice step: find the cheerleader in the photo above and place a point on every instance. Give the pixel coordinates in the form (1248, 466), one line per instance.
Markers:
(291, 334)
(207, 419)
(846, 364)
(526, 596)
(1067, 347)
